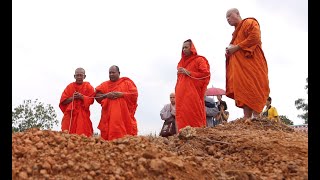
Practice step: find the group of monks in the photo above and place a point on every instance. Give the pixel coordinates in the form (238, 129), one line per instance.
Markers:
(117, 96)
(246, 82)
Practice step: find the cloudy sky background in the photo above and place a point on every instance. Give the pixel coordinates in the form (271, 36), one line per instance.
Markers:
(50, 39)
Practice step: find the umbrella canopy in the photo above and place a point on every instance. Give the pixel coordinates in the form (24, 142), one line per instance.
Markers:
(213, 91)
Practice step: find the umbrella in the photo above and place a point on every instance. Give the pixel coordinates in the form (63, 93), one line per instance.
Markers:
(213, 91)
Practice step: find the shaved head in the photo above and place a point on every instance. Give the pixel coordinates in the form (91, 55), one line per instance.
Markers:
(79, 75)
(80, 69)
(233, 10)
(116, 67)
(233, 17)
(114, 73)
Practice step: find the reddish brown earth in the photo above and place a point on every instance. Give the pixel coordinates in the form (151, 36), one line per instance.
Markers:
(255, 149)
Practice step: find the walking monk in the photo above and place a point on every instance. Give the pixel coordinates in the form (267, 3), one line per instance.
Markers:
(246, 66)
(118, 98)
(192, 81)
(74, 103)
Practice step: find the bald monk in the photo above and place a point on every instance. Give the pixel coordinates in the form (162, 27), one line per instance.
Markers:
(168, 113)
(75, 102)
(118, 98)
(246, 66)
(193, 77)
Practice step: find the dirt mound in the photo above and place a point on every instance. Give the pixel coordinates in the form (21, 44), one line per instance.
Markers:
(251, 149)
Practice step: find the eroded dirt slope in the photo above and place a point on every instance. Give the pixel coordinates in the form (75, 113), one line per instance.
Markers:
(241, 149)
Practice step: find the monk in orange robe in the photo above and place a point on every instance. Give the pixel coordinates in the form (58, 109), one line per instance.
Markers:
(193, 77)
(118, 98)
(75, 102)
(246, 66)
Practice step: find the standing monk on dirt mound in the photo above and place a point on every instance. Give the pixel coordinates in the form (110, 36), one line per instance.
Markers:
(118, 98)
(192, 81)
(246, 66)
(74, 103)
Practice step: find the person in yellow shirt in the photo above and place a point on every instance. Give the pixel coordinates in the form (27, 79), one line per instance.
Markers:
(270, 112)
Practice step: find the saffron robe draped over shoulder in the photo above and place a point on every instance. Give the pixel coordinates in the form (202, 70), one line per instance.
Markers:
(190, 92)
(80, 117)
(117, 115)
(247, 69)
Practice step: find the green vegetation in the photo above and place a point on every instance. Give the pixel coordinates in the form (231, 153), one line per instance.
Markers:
(302, 105)
(33, 114)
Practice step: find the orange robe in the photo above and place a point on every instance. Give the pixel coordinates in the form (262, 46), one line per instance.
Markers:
(190, 92)
(247, 69)
(117, 115)
(80, 119)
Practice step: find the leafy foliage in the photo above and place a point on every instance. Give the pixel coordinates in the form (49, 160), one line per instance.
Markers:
(33, 115)
(285, 120)
(301, 104)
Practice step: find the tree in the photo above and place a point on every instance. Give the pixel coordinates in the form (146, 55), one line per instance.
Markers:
(33, 115)
(300, 104)
(285, 120)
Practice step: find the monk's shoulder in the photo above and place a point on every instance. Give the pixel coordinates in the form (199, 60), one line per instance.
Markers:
(129, 81)
(167, 105)
(70, 85)
(202, 58)
(88, 85)
(126, 79)
(250, 21)
(102, 85)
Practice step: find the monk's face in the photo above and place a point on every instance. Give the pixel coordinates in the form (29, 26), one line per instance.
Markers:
(232, 18)
(114, 74)
(186, 48)
(79, 76)
(172, 98)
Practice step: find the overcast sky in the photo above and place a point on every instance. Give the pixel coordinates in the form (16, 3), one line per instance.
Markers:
(50, 39)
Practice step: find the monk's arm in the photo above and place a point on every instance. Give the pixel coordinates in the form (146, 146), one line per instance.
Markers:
(130, 96)
(203, 69)
(99, 96)
(76, 95)
(88, 97)
(67, 101)
(132, 91)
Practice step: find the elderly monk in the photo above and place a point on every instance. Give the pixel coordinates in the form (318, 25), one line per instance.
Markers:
(75, 102)
(118, 98)
(168, 113)
(192, 81)
(246, 66)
